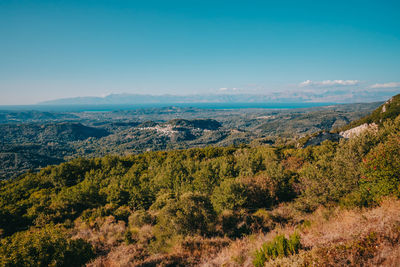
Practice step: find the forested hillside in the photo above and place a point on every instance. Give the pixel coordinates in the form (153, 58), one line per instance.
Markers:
(331, 204)
(30, 140)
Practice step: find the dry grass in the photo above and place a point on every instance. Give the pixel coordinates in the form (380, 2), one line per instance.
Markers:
(391, 256)
(337, 237)
(122, 255)
(105, 234)
(189, 251)
(330, 237)
(344, 225)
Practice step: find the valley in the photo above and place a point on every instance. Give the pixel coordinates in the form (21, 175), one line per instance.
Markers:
(31, 140)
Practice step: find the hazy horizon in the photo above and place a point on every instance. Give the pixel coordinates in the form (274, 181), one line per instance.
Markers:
(341, 51)
(126, 99)
(338, 97)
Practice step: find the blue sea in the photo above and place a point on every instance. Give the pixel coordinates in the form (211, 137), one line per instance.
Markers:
(106, 108)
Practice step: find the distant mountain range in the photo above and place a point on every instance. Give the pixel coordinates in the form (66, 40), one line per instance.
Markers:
(314, 96)
(122, 99)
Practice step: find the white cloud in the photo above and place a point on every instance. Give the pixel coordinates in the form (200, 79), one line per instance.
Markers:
(386, 85)
(305, 83)
(225, 89)
(328, 83)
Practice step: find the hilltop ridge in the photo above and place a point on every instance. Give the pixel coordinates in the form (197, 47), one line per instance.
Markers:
(388, 110)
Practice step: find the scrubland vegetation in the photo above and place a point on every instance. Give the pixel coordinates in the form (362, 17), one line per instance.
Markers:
(333, 204)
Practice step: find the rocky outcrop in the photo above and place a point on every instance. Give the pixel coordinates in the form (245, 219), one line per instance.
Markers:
(358, 130)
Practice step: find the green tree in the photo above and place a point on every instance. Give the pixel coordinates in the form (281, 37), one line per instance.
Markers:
(231, 194)
(381, 170)
(191, 214)
(48, 246)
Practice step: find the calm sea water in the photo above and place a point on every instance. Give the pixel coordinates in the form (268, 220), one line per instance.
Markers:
(105, 108)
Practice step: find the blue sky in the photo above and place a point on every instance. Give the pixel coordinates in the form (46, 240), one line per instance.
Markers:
(55, 49)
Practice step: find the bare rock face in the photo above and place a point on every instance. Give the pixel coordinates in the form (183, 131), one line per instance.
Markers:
(388, 111)
(358, 130)
(387, 103)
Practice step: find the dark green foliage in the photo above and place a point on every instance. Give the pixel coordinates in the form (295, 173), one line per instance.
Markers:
(140, 218)
(333, 171)
(191, 214)
(381, 171)
(69, 173)
(230, 195)
(48, 246)
(236, 224)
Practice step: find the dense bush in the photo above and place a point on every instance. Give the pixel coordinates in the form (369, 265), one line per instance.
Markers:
(44, 247)
(191, 214)
(229, 195)
(381, 170)
(334, 172)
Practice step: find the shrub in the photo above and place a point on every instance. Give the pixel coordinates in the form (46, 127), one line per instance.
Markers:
(48, 246)
(236, 224)
(259, 258)
(381, 169)
(192, 213)
(140, 218)
(263, 190)
(122, 213)
(280, 246)
(91, 215)
(230, 195)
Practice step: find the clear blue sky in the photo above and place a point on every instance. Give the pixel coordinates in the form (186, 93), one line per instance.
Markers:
(53, 49)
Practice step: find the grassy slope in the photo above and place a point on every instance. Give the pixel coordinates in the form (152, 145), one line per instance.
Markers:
(330, 236)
